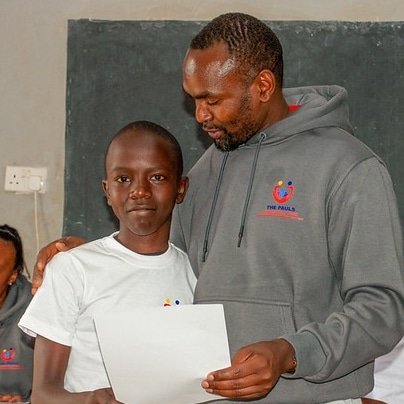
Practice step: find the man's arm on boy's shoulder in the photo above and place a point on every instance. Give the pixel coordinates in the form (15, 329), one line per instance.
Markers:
(50, 364)
(47, 253)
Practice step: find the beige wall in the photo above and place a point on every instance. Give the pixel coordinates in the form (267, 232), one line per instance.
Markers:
(33, 36)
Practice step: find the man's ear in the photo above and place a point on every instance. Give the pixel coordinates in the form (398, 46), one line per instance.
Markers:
(182, 189)
(106, 190)
(265, 82)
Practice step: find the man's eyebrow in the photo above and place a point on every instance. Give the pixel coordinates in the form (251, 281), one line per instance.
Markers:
(204, 94)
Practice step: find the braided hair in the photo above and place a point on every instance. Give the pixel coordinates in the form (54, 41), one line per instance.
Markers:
(251, 42)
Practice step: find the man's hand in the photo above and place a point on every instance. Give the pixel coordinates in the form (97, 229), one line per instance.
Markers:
(46, 254)
(102, 396)
(254, 372)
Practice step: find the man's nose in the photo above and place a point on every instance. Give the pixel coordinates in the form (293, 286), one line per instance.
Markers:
(202, 112)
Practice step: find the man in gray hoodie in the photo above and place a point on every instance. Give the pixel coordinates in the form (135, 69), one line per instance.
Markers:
(290, 222)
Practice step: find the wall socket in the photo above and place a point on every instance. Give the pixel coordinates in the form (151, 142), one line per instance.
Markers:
(25, 179)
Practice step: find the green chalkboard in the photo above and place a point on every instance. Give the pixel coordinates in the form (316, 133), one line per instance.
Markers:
(119, 71)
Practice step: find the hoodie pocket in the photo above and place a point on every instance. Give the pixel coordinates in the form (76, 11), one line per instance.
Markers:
(253, 321)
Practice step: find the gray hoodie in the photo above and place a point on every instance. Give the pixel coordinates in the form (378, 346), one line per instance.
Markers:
(16, 348)
(297, 234)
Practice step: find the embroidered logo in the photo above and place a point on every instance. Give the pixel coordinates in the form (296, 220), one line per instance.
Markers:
(7, 354)
(282, 194)
(169, 302)
(8, 360)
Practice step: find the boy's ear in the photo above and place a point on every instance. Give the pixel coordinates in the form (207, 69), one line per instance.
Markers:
(106, 190)
(13, 277)
(182, 189)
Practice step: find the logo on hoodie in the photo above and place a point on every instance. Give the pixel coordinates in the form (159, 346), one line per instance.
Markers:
(282, 193)
(7, 354)
(8, 360)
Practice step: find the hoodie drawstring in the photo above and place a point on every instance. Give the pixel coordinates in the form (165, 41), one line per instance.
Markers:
(212, 208)
(250, 184)
(247, 199)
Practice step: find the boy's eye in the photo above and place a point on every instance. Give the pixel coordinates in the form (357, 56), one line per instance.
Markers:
(212, 102)
(158, 177)
(122, 178)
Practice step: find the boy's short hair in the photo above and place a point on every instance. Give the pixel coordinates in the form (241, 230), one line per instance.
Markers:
(154, 129)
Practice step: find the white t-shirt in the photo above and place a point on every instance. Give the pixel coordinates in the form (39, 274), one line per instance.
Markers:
(389, 376)
(97, 277)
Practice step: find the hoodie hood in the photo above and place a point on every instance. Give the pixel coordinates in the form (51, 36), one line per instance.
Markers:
(316, 107)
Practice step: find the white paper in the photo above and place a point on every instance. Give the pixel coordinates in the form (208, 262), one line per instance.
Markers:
(161, 354)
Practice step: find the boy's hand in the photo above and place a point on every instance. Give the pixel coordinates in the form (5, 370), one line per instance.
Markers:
(102, 396)
(46, 254)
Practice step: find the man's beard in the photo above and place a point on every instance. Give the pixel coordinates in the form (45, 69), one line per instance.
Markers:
(230, 141)
(227, 141)
(245, 127)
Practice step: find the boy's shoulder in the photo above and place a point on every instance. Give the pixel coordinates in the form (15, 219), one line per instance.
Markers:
(181, 253)
(87, 251)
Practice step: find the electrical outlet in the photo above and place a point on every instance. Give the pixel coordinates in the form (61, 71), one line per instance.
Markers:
(25, 179)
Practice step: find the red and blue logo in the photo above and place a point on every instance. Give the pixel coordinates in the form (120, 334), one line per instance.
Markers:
(9, 360)
(282, 193)
(171, 302)
(7, 355)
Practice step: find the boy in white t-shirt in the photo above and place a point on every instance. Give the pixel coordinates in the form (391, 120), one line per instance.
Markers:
(135, 266)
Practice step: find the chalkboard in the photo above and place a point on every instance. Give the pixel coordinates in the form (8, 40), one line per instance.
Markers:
(120, 71)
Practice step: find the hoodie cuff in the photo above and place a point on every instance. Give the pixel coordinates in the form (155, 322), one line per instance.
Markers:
(310, 356)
